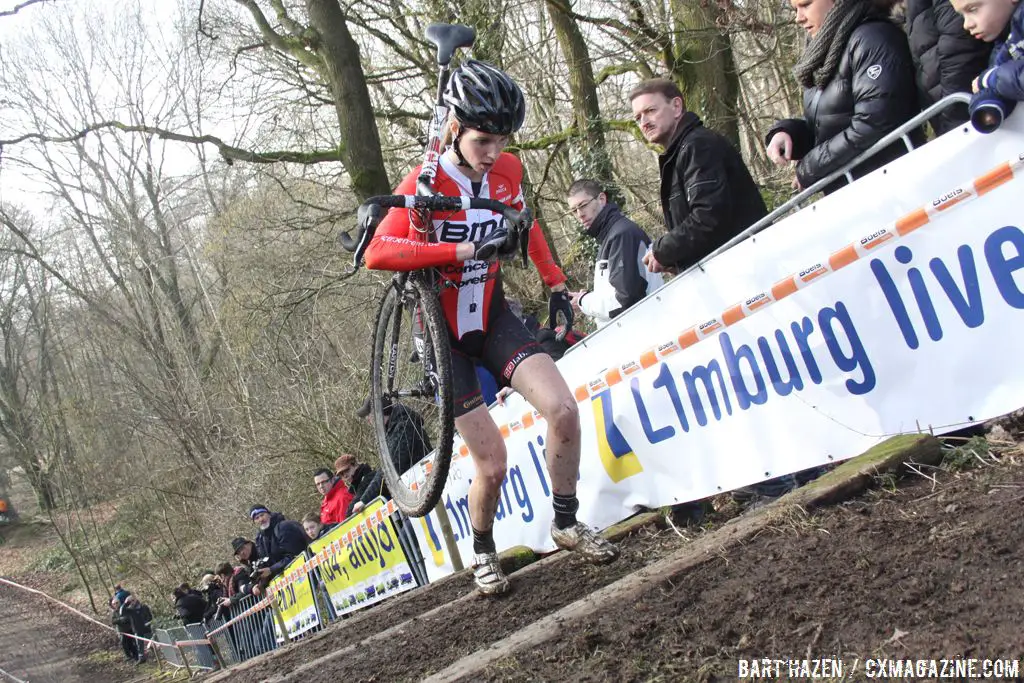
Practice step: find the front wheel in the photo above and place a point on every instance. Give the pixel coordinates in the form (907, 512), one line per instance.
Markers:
(411, 385)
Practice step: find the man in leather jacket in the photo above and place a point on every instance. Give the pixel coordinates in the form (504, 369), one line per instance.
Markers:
(707, 193)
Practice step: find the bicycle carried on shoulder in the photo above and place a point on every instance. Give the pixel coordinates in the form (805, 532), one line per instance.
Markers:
(411, 356)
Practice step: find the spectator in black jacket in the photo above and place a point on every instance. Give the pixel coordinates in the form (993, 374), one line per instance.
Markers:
(620, 277)
(946, 56)
(280, 541)
(120, 617)
(213, 591)
(364, 482)
(707, 194)
(408, 443)
(407, 439)
(142, 624)
(858, 80)
(189, 604)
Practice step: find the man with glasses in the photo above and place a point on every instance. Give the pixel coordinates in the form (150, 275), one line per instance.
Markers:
(620, 277)
(335, 496)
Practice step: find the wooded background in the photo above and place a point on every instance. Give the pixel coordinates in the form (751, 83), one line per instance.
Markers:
(177, 342)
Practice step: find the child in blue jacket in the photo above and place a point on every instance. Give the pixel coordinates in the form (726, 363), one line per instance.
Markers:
(1000, 22)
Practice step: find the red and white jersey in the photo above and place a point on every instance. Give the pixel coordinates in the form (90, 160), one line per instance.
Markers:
(398, 245)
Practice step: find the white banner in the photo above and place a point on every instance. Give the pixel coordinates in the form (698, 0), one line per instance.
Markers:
(892, 306)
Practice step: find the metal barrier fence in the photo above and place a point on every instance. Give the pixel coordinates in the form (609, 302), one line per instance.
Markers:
(172, 655)
(901, 134)
(248, 632)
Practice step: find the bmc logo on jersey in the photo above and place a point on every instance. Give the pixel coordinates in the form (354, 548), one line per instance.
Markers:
(465, 232)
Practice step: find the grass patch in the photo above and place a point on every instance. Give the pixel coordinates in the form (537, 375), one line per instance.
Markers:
(55, 559)
(960, 456)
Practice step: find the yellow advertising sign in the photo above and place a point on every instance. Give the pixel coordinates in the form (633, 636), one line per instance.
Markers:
(294, 593)
(360, 561)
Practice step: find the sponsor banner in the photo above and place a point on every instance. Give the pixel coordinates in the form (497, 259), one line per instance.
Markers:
(293, 590)
(894, 305)
(360, 562)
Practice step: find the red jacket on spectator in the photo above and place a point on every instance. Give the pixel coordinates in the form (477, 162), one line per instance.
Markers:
(335, 504)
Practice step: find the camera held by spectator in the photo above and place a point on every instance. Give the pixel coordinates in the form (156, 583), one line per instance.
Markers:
(988, 110)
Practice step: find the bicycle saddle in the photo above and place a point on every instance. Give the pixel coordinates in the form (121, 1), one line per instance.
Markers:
(448, 38)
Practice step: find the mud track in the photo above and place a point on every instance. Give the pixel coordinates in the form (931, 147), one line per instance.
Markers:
(928, 569)
(43, 645)
(930, 572)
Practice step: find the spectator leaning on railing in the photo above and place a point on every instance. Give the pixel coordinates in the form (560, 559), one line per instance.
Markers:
(336, 497)
(237, 580)
(314, 528)
(946, 57)
(279, 540)
(999, 88)
(189, 604)
(859, 85)
(213, 590)
(364, 482)
(620, 277)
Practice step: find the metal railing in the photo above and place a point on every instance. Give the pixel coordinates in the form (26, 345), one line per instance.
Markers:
(902, 133)
(248, 632)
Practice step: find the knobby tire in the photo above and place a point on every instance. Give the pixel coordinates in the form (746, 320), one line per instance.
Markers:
(414, 503)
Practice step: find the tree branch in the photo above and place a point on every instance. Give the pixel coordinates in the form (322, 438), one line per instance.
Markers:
(230, 153)
(18, 8)
(556, 139)
(289, 45)
(200, 28)
(290, 24)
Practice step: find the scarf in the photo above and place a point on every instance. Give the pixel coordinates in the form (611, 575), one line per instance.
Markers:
(820, 60)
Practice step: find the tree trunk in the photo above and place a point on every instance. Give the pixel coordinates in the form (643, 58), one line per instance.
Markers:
(43, 485)
(591, 159)
(360, 142)
(706, 71)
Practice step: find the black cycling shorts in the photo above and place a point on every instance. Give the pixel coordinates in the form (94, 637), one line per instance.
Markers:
(500, 350)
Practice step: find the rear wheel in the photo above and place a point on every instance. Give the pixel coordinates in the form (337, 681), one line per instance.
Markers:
(412, 371)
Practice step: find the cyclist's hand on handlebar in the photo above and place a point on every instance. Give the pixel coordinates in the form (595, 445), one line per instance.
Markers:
(560, 303)
(492, 246)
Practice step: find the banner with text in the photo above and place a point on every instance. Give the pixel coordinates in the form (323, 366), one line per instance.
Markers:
(293, 591)
(894, 305)
(361, 562)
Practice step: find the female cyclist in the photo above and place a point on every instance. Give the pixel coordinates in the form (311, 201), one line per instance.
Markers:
(486, 107)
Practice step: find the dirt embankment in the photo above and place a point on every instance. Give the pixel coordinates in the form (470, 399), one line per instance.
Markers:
(922, 569)
(930, 571)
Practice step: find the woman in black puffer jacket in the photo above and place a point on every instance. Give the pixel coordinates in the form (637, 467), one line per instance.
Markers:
(946, 56)
(858, 79)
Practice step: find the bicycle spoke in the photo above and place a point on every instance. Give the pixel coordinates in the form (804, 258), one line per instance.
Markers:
(411, 379)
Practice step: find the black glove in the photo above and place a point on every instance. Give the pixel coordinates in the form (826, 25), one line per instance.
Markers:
(560, 303)
(493, 245)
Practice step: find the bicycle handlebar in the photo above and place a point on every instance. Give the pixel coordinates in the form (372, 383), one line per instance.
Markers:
(371, 212)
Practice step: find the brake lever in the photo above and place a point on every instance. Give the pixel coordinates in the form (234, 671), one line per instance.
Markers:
(524, 224)
(369, 217)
